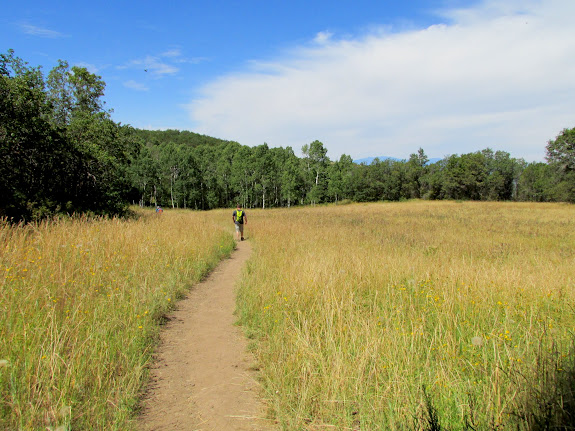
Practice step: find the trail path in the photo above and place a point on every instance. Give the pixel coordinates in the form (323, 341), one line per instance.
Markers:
(201, 379)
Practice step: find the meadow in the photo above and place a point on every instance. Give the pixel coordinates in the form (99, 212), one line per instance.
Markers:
(81, 305)
(414, 315)
(417, 315)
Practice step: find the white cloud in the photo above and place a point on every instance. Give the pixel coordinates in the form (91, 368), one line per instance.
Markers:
(92, 68)
(157, 67)
(40, 31)
(153, 65)
(138, 86)
(323, 37)
(192, 60)
(498, 75)
(176, 55)
(175, 52)
(163, 64)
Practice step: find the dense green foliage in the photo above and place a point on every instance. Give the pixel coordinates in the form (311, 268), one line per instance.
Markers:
(60, 152)
(213, 174)
(561, 157)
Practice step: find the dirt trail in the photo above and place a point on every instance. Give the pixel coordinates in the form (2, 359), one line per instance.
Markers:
(201, 379)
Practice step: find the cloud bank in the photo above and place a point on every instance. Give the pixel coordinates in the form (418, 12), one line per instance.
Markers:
(497, 75)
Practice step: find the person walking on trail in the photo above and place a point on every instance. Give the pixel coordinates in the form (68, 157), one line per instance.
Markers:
(239, 217)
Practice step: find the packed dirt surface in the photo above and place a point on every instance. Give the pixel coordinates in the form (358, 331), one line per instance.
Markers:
(203, 377)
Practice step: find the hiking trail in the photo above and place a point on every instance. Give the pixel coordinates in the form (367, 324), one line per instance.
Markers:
(202, 377)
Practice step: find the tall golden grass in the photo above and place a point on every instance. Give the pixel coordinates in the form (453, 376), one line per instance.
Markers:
(375, 316)
(355, 310)
(80, 306)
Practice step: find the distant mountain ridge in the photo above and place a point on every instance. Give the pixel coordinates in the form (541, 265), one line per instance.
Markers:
(369, 160)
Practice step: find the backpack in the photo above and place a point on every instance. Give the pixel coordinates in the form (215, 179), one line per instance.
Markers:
(239, 216)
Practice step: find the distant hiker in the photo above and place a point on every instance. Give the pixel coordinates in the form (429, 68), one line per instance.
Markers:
(239, 217)
(159, 210)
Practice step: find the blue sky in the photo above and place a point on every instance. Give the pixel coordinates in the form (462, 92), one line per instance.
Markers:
(367, 78)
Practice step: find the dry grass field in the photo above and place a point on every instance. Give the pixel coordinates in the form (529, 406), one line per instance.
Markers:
(81, 304)
(417, 315)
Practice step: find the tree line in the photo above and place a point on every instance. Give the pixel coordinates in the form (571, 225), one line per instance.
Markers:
(61, 152)
(220, 175)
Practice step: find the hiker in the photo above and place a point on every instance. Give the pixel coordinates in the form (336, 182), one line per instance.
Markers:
(159, 210)
(239, 217)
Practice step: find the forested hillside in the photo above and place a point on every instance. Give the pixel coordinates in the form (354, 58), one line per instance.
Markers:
(219, 174)
(61, 152)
